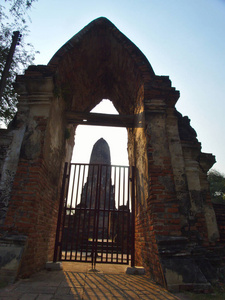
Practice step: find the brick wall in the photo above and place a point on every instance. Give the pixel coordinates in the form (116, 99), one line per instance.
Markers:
(146, 249)
(33, 212)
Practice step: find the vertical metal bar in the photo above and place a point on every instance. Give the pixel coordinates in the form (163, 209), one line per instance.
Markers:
(88, 209)
(75, 182)
(104, 208)
(91, 211)
(64, 213)
(98, 201)
(70, 234)
(79, 210)
(133, 218)
(61, 202)
(68, 210)
(114, 213)
(79, 233)
(128, 217)
(118, 231)
(84, 210)
(94, 185)
(77, 213)
(123, 215)
(95, 215)
(109, 216)
(74, 221)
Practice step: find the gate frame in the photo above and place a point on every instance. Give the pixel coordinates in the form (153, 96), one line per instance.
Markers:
(61, 217)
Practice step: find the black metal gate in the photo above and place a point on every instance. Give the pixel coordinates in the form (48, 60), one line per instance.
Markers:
(96, 215)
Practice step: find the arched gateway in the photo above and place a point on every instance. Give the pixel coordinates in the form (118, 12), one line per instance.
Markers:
(175, 221)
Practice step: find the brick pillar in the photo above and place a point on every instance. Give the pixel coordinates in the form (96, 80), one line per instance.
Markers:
(162, 196)
(158, 219)
(198, 229)
(178, 166)
(163, 246)
(32, 212)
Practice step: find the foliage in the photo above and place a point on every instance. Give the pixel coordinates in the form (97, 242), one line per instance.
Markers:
(13, 17)
(217, 186)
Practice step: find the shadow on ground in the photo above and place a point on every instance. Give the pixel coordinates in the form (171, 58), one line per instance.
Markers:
(77, 281)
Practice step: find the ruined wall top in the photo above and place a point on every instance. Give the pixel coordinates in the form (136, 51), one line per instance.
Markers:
(106, 30)
(104, 64)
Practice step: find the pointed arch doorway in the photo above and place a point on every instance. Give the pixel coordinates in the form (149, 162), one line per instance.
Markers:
(96, 214)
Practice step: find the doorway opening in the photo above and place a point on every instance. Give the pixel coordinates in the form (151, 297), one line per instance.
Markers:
(87, 135)
(96, 218)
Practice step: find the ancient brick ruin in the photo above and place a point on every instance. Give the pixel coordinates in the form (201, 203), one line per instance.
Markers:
(176, 235)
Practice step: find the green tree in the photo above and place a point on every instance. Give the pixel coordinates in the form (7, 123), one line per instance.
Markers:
(217, 186)
(14, 17)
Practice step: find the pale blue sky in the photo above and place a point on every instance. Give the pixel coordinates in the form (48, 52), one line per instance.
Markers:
(184, 39)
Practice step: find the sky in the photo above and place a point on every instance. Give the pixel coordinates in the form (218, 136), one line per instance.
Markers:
(182, 39)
